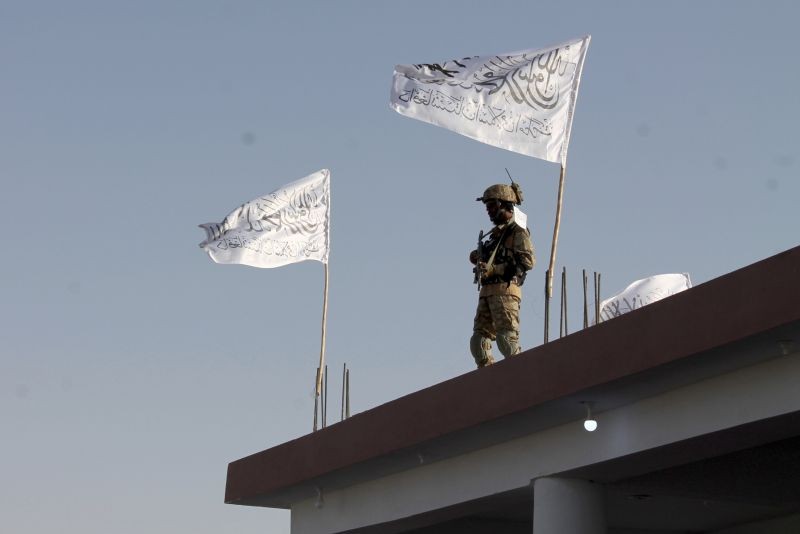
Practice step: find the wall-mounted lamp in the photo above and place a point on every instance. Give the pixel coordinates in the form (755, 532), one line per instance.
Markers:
(590, 424)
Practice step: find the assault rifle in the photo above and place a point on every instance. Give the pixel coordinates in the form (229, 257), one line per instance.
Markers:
(478, 270)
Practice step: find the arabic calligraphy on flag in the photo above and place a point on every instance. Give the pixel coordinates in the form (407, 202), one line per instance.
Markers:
(521, 101)
(289, 225)
(643, 292)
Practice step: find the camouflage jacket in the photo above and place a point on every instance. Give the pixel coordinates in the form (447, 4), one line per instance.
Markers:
(513, 259)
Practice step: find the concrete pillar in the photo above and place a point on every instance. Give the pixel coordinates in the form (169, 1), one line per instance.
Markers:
(568, 506)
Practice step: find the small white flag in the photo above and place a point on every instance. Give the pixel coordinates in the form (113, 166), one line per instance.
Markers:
(289, 225)
(643, 292)
(520, 101)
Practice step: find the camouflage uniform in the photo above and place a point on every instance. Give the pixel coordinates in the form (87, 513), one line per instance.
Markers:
(497, 316)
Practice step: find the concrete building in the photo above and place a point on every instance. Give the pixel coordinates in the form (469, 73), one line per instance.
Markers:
(697, 398)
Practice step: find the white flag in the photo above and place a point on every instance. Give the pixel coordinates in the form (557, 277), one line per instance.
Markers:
(289, 225)
(643, 292)
(521, 101)
(520, 217)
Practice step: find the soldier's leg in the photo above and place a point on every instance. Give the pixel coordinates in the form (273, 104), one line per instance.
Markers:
(505, 312)
(481, 349)
(480, 344)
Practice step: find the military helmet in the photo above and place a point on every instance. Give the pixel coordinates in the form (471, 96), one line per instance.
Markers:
(507, 193)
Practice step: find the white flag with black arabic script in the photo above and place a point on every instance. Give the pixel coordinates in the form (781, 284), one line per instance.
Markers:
(521, 101)
(289, 225)
(643, 292)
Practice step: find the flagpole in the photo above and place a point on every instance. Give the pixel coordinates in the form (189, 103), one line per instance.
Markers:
(555, 230)
(324, 324)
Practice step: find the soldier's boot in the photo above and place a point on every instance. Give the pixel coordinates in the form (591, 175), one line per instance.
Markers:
(508, 343)
(481, 349)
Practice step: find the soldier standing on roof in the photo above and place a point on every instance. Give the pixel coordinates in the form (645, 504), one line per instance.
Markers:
(501, 263)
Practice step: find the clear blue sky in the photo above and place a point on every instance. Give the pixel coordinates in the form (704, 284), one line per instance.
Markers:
(133, 369)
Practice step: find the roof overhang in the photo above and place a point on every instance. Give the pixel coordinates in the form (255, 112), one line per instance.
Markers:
(728, 323)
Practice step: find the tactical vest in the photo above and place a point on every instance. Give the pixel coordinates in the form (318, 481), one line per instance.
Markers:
(502, 239)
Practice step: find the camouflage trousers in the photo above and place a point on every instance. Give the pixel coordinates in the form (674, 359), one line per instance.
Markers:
(497, 318)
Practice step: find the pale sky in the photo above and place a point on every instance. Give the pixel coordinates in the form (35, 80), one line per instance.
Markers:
(133, 369)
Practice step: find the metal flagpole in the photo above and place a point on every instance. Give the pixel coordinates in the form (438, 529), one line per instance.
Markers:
(555, 230)
(344, 384)
(546, 308)
(564, 330)
(322, 344)
(316, 406)
(585, 302)
(347, 395)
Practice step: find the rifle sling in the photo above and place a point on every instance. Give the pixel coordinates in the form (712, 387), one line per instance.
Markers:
(497, 247)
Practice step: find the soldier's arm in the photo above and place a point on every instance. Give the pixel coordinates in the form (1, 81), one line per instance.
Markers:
(524, 256)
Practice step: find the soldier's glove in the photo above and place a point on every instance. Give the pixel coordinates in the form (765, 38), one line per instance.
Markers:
(493, 270)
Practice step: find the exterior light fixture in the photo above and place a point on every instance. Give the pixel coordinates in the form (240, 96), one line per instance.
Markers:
(590, 423)
(787, 346)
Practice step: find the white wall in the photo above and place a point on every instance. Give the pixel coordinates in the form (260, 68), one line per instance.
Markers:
(750, 394)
